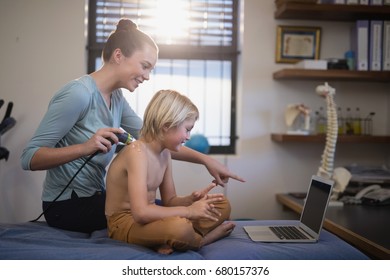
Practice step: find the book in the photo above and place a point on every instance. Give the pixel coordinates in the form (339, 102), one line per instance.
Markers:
(386, 46)
(375, 47)
(332, 1)
(376, 2)
(364, 2)
(312, 64)
(359, 40)
(281, 2)
(352, 2)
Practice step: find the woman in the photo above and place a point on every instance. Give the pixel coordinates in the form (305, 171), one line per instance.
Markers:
(143, 167)
(82, 119)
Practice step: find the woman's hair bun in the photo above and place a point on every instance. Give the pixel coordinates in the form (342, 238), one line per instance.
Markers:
(126, 24)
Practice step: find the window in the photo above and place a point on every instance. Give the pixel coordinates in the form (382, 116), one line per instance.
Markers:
(198, 56)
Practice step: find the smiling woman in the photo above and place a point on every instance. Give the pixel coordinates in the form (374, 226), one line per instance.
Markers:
(80, 125)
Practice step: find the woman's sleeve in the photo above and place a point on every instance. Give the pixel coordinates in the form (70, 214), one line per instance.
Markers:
(64, 110)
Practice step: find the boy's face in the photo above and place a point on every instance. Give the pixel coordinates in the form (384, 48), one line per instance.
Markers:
(175, 137)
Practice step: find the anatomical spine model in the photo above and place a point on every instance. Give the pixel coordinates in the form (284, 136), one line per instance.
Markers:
(326, 168)
(340, 175)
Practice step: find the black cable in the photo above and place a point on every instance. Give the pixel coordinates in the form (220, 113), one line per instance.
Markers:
(70, 181)
(125, 138)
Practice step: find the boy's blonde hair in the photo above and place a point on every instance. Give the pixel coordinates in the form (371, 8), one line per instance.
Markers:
(167, 108)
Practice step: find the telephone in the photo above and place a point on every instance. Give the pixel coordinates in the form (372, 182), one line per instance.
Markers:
(370, 195)
(366, 190)
(378, 196)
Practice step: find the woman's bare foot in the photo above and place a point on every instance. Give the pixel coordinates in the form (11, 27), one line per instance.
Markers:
(219, 232)
(164, 249)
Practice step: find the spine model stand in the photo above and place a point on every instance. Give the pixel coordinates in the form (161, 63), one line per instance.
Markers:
(326, 168)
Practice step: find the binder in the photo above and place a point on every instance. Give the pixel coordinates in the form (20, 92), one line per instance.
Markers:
(376, 2)
(386, 46)
(332, 2)
(360, 44)
(375, 59)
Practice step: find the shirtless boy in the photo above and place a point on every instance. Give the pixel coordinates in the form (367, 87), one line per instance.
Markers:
(143, 167)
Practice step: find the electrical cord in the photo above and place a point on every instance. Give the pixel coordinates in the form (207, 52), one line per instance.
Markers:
(125, 138)
(63, 190)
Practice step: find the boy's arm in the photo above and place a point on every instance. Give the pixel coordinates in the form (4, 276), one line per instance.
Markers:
(136, 165)
(145, 212)
(194, 196)
(168, 190)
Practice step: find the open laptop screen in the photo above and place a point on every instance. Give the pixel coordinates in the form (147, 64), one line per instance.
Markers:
(316, 203)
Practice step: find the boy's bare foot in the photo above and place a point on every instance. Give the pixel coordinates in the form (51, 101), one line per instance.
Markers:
(164, 249)
(219, 232)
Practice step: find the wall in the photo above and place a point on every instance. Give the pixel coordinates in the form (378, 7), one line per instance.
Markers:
(271, 167)
(43, 47)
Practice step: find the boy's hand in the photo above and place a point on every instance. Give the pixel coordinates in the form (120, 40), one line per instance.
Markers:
(204, 209)
(197, 195)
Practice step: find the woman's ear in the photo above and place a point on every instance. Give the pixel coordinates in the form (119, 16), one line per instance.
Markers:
(117, 56)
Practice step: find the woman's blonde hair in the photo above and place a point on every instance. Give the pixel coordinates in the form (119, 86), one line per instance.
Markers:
(167, 108)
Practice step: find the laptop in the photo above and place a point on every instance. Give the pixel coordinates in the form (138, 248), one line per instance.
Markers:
(310, 224)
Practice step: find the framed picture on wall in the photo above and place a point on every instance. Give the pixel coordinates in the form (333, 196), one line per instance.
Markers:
(294, 43)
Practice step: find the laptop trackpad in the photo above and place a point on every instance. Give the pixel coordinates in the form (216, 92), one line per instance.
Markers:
(262, 232)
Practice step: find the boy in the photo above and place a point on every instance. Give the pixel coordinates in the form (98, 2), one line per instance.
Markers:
(143, 167)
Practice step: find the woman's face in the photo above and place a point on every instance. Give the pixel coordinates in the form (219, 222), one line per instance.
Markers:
(136, 68)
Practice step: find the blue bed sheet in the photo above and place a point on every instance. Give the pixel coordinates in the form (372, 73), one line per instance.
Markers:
(32, 241)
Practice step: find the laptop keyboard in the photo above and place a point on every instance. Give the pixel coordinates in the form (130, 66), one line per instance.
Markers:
(288, 232)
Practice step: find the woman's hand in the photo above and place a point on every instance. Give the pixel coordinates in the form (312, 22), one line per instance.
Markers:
(220, 172)
(204, 209)
(103, 140)
(46, 158)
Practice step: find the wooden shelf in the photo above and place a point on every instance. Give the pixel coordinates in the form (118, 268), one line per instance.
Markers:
(331, 12)
(282, 138)
(336, 75)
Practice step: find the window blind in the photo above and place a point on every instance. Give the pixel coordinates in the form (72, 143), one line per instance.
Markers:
(196, 23)
(198, 54)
